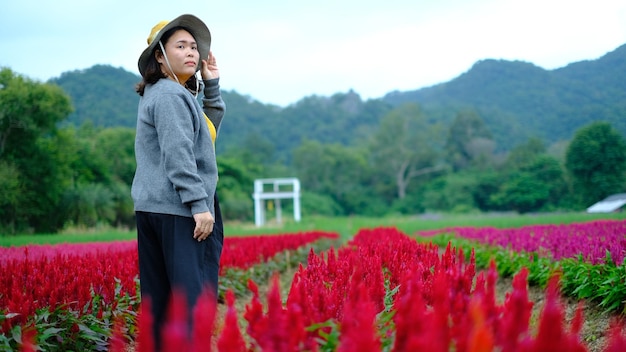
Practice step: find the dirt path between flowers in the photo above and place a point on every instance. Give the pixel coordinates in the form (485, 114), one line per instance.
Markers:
(596, 322)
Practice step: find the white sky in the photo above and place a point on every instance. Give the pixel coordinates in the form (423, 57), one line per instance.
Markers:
(279, 51)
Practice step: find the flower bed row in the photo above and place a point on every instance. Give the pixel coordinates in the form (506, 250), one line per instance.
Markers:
(62, 286)
(591, 240)
(589, 257)
(383, 291)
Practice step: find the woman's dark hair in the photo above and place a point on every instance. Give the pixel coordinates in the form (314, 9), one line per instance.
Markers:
(153, 72)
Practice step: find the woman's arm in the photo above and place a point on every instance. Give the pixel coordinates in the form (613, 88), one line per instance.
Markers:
(212, 102)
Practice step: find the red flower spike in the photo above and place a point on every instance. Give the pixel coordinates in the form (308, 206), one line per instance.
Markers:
(231, 339)
(145, 340)
(516, 313)
(257, 323)
(358, 331)
(439, 329)
(551, 335)
(578, 320)
(204, 322)
(296, 326)
(176, 329)
(29, 339)
(117, 343)
(481, 338)
(277, 337)
(410, 315)
(617, 340)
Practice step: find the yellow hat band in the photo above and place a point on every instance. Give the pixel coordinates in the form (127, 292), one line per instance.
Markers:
(155, 31)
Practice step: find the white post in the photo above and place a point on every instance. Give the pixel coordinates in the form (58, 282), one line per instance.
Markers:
(259, 211)
(275, 194)
(296, 200)
(279, 211)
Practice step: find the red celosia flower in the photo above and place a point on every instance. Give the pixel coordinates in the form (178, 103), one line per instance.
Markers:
(516, 314)
(204, 321)
(145, 341)
(358, 323)
(29, 339)
(481, 338)
(231, 339)
(617, 340)
(117, 343)
(257, 324)
(176, 329)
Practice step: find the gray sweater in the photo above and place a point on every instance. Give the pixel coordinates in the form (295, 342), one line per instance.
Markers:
(176, 167)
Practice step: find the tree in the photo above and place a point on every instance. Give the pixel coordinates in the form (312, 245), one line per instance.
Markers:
(9, 199)
(116, 148)
(235, 187)
(596, 162)
(337, 171)
(535, 184)
(532, 179)
(452, 192)
(405, 146)
(468, 141)
(524, 154)
(29, 114)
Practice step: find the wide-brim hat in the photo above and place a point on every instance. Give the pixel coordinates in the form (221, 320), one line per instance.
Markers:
(191, 23)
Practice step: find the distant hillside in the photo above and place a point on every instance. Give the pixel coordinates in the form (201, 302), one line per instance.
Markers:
(102, 94)
(516, 99)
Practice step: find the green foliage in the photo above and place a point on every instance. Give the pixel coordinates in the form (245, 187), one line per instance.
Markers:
(11, 191)
(29, 112)
(452, 192)
(115, 148)
(384, 320)
(488, 183)
(602, 283)
(319, 204)
(522, 193)
(88, 204)
(405, 146)
(334, 170)
(97, 166)
(596, 161)
(235, 188)
(342, 118)
(532, 179)
(469, 141)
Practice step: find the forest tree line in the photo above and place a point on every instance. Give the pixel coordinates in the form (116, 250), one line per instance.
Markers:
(56, 175)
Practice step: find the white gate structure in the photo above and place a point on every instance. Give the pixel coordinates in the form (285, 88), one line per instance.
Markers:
(279, 188)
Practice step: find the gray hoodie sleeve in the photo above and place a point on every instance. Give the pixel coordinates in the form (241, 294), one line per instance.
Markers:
(212, 102)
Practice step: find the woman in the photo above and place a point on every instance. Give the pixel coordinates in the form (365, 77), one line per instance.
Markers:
(179, 228)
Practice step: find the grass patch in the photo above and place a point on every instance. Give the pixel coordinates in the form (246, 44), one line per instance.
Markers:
(345, 226)
(74, 237)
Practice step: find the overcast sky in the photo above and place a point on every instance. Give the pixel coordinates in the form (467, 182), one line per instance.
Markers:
(279, 51)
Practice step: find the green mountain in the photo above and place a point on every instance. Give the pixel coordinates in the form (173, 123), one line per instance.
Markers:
(101, 94)
(516, 100)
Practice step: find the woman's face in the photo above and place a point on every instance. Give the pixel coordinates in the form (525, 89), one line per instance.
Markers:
(182, 53)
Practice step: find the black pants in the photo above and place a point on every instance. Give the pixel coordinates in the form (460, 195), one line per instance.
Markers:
(170, 258)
